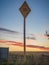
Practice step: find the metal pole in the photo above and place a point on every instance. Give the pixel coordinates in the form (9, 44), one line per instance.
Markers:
(24, 39)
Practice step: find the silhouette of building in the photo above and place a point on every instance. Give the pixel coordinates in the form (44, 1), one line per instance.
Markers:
(4, 53)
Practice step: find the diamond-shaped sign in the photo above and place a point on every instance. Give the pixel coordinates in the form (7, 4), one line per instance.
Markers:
(24, 9)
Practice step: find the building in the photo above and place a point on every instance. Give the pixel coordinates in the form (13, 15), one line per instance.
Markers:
(4, 53)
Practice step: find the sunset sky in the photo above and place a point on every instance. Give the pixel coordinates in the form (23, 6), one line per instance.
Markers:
(37, 23)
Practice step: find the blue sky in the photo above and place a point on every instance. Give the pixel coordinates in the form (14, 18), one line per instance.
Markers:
(36, 22)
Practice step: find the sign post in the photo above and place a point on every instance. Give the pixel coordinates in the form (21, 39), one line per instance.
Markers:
(25, 10)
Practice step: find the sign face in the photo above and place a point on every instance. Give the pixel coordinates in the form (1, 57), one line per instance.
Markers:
(24, 9)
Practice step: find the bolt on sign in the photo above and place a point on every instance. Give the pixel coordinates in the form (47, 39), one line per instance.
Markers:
(24, 9)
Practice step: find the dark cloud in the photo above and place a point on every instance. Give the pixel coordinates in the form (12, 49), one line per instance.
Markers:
(7, 30)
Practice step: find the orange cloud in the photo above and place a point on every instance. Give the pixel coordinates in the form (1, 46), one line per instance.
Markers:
(21, 44)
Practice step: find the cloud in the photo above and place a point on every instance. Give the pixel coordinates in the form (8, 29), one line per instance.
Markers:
(21, 44)
(33, 38)
(40, 36)
(7, 30)
(40, 47)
